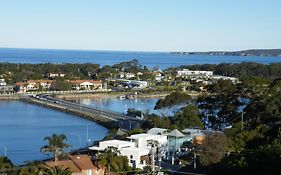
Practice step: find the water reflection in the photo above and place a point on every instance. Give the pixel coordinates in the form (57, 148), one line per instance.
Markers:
(23, 127)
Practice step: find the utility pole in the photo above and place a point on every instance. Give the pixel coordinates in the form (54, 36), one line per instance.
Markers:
(242, 122)
(154, 144)
(5, 151)
(194, 161)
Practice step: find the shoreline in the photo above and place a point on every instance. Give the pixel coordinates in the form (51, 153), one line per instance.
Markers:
(110, 95)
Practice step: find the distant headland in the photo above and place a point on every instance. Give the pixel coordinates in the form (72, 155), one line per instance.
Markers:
(252, 52)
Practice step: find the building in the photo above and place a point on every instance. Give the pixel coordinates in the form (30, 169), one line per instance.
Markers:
(127, 75)
(190, 73)
(54, 75)
(137, 156)
(79, 165)
(139, 148)
(86, 84)
(6, 89)
(219, 77)
(32, 85)
(129, 84)
(158, 131)
(142, 140)
(2, 82)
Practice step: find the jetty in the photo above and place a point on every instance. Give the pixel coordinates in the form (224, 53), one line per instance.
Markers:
(109, 119)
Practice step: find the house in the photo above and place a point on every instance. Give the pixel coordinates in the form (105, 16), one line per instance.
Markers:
(139, 148)
(135, 155)
(20, 87)
(176, 139)
(30, 85)
(143, 139)
(2, 82)
(158, 75)
(158, 131)
(86, 84)
(6, 89)
(196, 134)
(54, 75)
(79, 165)
(127, 75)
(190, 73)
(131, 83)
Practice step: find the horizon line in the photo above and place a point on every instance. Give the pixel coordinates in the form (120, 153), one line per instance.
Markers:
(148, 51)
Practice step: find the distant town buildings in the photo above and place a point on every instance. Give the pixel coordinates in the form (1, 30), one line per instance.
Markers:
(86, 84)
(204, 77)
(4, 88)
(190, 73)
(52, 75)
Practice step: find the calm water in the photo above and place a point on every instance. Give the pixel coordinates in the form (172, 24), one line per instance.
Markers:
(150, 59)
(23, 127)
(145, 105)
(118, 105)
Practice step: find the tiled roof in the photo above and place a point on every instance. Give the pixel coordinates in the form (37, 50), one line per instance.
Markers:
(83, 162)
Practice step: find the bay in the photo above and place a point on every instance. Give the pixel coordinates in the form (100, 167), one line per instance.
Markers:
(150, 59)
(23, 127)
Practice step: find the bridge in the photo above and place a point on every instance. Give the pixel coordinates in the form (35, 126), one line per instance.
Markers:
(108, 118)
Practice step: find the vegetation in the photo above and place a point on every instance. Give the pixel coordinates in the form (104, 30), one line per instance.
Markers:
(213, 149)
(113, 161)
(175, 98)
(56, 171)
(55, 145)
(188, 117)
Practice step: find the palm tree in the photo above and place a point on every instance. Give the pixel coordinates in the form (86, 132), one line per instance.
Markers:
(113, 161)
(56, 171)
(55, 145)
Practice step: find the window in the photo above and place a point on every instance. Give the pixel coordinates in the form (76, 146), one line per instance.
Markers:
(141, 162)
(131, 157)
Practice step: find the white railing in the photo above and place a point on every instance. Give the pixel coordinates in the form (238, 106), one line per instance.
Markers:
(65, 92)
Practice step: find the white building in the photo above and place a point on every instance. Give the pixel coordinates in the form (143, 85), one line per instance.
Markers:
(219, 77)
(142, 140)
(137, 156)
(86, 84)
(186, 72)
(2, 82)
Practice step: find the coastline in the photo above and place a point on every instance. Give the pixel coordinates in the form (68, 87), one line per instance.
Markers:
(111, 95)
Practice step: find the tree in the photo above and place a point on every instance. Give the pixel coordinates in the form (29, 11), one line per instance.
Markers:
(55, 145)
(113, 161)
(56, 171)
(187, 118)
(213, 149)
(175, 98)
(5, 163)
(31, 168)
(60, 85)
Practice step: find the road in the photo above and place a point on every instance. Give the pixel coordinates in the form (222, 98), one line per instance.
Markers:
(123, 121)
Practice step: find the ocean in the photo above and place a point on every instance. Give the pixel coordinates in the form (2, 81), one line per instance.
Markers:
(151, 59)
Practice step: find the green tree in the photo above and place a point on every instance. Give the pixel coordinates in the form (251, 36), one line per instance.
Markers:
(5, 163)
(56, 171)
(187, 118)
(113, 161)
(56, 145)
(175, 98)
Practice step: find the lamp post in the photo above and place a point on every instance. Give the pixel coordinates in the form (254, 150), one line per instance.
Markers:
(5, 151)
(87, 132)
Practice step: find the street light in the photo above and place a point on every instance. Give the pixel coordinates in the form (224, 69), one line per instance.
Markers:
(87, 132)
(5, 151)
(74, 134)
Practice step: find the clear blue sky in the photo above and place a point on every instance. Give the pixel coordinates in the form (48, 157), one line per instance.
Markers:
(141, 25)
